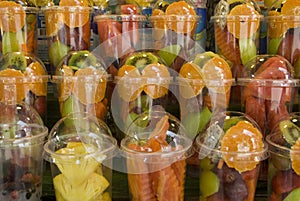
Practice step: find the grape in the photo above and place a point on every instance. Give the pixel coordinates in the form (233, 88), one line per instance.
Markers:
(236, 191)
(209, 183)
(206, 164)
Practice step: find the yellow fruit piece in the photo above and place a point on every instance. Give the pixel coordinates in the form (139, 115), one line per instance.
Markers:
(242, 145)
(217, 75)
(89, 85)
(243, 27)
(54, 21)
(14, 17)
(193, 85)
(38, 83)
(92, 188)
(75, 162)
(295, 156)
(130, 85)
(157, 79)
(276, 25)
(12, 88)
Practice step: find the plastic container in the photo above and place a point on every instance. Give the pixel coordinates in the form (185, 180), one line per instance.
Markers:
(230, 151)
(21, 168)
(80, 150)
(155, 150)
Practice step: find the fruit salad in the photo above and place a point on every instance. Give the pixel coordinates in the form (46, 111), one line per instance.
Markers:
(230, 151)
(284, 172)
(81, 83)
(141, 83)
(236, 27)
(204, 86)
(174, 26)
(23, 80)
(156, 159)
(67, 29)
(283, 32)
(17, 28)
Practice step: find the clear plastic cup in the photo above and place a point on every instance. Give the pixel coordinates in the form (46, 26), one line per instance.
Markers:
(18, 30)
(80, 150)
(21, 167)
(155, 150)
(68, 28)
(230, 151)
(24, 79)
(81, 83)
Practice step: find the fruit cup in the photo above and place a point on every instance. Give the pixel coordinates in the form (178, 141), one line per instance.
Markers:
(204, 87)
(173, 32)
(142, 84)
(81, 82)
(18, 28)
(284, 173)
(21, 167)
(23, 80)
(67, 29)
(155, 150)
(230, 151)
(80, 150)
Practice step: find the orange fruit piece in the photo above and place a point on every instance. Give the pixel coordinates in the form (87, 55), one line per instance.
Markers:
(54, 21)
(65, 82)
(159, 21)
(238, 142)
(130, 85)
(243, 28)
(157, 79)
(14, 17)
(291, 7)
(12, 91)
(193, 85)
(183, 9)
(38, 78)
(295, 156)
(217, 75)
(77, 14)
(89, 85)
(276, 26)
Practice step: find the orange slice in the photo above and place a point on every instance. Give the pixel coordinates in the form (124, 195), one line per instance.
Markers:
(157, 79)
(129, 85)
(54, 21)
(216, 74)
(158, 22)
(75, 17)
(295, 156)
(276, 26)
(243, 28)
(89, 85)
(37, 72)
(291, 7)
(14, 19)
(194, 84)
(180, 8)
(12, 90)
(238, 143)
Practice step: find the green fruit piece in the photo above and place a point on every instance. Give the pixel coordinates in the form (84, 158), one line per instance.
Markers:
(248, 49)
(82, 59)
(71, 105)
(206, 164)
(141, 59)
(281, 162)
(273, 45)
(228, 123)
(290, 131)
(293, 195)
(209, 183)
(15, 60)
(195, 122)
(273, 3)
(201, 59)
(169, 53)
(57, 51)
(130, 118)
(12, 41)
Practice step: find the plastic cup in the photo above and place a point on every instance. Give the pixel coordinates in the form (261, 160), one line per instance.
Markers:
(229, 169)
(282, 177)
(21, 167)
(68, 28)
(80, 150)
(18, 30)
(159, 162)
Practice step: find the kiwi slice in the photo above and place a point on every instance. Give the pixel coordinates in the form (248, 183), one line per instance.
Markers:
(141, 59)
(82, 59)
(15, 60)
(290, 131)
(228, 123)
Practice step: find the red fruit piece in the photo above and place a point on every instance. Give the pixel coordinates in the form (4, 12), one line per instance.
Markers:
(276, 112)
(129, 9)
(285, 181)
(108, 29)
(255, 108)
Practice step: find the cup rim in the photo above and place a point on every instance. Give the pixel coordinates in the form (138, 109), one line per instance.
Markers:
(143, 80)
(87, 78)
(242, 18)
(184, 81)
(269, 82)
(58, 8)
(283, 17)
(24, 79)
(273, 144)
(17, 9)
(121, 17)
(185, 18)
